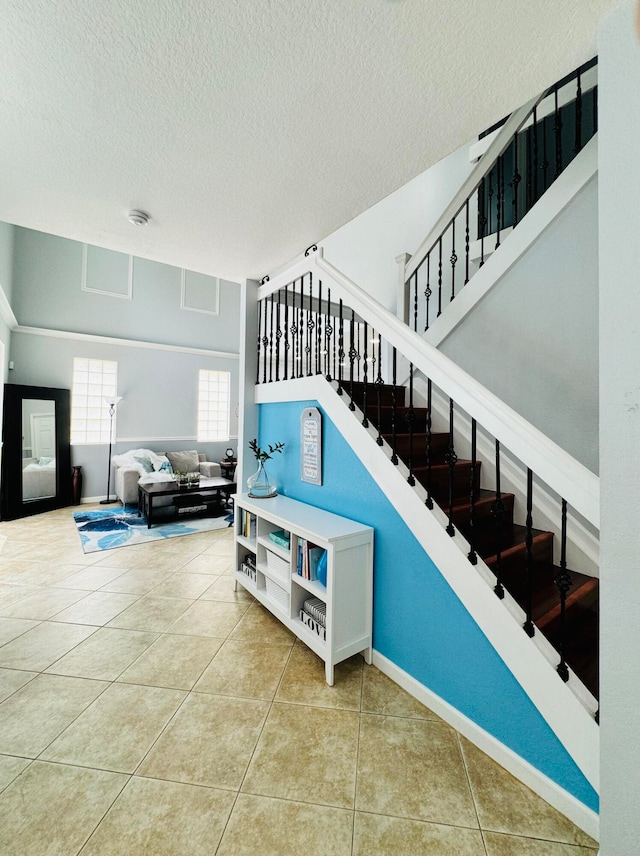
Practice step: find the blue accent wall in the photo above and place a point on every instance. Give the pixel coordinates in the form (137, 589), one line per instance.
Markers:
(418, 622)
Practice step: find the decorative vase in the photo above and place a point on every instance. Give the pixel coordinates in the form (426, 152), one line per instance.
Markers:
(259, 484)
(76, 481)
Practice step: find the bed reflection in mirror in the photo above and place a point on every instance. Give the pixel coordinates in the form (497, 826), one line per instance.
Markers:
(38, 449)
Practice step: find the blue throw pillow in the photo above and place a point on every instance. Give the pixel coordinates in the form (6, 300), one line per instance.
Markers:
(166, 467)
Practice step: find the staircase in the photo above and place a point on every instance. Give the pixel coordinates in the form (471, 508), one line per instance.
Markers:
(486, 519)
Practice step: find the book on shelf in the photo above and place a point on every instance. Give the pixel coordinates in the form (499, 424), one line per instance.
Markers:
(317, 609)
(309, 557)
(313, 625)
(248, 524)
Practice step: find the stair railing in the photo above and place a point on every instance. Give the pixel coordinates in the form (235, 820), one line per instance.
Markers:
(353, 340)
(523, 158)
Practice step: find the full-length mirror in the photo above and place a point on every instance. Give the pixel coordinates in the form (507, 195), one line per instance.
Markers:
(36, 454)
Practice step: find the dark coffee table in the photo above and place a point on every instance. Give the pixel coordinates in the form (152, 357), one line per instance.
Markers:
(187, 501)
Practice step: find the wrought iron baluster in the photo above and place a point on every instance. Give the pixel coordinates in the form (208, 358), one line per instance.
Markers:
(265, 343)
(499, 198)
(529, 626)
(300, 344)
(358, 351)
(439, 277)
(415, 301)
(482, 217)
(352, 358)
(310, 327)
(340, 350)
(472, 555)
(490, 205)
(278, 337)
(379, 385)
(328, 333)
(536, 166)
(410, 423)
(453, 258)
(319, 330)
(515, 181)
(365, 420)
(286, 332)
(394, 408)
(557, 128)
(271, 340)
(451, 459)
(578, 132)
(429, 499)
(529, 186)
(545, 160)
(466, 243)
(259, 342)
(427, 293)
(563, 582)
(498, 514)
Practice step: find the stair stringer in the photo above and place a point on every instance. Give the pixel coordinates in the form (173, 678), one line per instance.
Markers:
(548, 208)
(531, 661)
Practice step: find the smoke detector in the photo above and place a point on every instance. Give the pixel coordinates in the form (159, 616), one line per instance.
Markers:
(138, 218)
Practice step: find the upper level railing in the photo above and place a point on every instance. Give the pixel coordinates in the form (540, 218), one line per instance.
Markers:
(518, 162)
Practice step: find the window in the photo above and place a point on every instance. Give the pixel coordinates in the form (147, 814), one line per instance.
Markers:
(92, 381)
(213, 405)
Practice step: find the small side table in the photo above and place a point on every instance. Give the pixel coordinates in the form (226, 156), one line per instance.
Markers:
(227, 468)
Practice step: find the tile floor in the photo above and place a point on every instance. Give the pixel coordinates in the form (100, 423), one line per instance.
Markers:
(147, 708)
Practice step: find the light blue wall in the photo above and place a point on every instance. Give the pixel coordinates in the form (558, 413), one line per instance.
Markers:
(419, 624)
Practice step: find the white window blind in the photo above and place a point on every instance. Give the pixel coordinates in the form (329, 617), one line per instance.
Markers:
(213, 405)
(92, 381)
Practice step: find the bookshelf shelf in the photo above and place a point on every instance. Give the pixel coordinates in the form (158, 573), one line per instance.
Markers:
(348, 594)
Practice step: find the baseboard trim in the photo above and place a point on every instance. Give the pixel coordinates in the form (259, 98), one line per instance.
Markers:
(526, 773)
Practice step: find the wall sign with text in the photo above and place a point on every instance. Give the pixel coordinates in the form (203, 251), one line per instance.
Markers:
(311, 445)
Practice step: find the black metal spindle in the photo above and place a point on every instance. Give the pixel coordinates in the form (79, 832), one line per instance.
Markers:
(529, 626)
(499, 198)
(557, 129)
(278, 338)
(545, 159)
(578, 130)
(340, 350)
(328, 333)
(265, 343)
(365, 419)
(358, 350)
(394, 409)
(472, 555)
(453, 258)
(536, 165)
(379, 385)
(410, 424)
(439, 277)
(482, 218)
(300, 342)
(515, 181)
(529, 166)
(466, 243)
(286, 332)
(427, 293)
(429, 499)
(271, 339)
(310, 328)
(563, 582)
(415, 301)
(498, 514)
(490, 203)
(319, 330)
(258, 343)
(451, 459)
(352, 358)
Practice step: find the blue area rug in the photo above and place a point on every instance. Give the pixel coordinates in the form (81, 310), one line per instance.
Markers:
(121, 526)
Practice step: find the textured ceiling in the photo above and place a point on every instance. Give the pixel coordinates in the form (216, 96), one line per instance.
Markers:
(251, 128)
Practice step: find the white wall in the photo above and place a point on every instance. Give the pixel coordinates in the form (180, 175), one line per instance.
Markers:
(365, 249)
(619, 145)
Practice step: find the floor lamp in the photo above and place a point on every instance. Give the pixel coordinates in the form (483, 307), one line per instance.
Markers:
(112, 403)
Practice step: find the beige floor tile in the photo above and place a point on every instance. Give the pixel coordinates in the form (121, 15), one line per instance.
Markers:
(382, 695)
(43, 604)
(105, 655)
(511, 845)
(10, 767)
(99, 607)
(506, 805)
(11, 680)
(11, 628)
(304, 681)
(302, 747)
(120, 557)
(137, 581)
(13, 593)
(118, 729)
(433, 784)
(33, 716)
(209, 742)
(151, 613)
(42, 645)
(156, 818)
(52, 809)
(183, 585)
(221, 547)
(273, 827)
(245, 670)
(207, 564)
(378, 835)
(258, 625)
(91, 578)
(209, 618)
(172, 661)
(170, 562)
(222, 589)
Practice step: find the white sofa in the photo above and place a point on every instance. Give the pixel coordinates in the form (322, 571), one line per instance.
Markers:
(129, 469)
